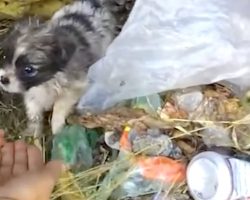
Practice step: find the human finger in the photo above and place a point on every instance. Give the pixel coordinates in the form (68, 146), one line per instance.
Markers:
(35, 159)
(7, 161)
(54, 169)
(20, 158)
(2, 140)
(48, 177)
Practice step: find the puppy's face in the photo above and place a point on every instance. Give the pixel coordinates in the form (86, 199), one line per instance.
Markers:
(32, 55)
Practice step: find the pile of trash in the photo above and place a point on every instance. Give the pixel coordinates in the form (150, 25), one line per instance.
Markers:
(167, 113)
(143, 149)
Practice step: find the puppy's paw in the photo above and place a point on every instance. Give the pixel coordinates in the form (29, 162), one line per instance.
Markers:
(32, 130)
(57, 123)
(27, 133)
(38, 144)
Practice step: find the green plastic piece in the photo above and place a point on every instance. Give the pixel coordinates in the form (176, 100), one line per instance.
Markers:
(73, 144)
(149, 103)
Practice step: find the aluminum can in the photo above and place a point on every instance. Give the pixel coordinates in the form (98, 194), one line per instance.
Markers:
(213, 176)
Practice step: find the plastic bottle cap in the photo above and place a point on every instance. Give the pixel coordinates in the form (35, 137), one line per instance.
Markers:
(209, 178)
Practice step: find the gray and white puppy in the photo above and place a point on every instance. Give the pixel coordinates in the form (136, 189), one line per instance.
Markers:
(48, 63)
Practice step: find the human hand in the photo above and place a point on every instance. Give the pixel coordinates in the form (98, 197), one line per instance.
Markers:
(23, 175)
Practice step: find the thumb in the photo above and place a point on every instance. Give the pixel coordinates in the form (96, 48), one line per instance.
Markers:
(51, 173)
(53, 170)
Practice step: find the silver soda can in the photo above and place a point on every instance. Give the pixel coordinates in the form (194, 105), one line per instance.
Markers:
(212, 176)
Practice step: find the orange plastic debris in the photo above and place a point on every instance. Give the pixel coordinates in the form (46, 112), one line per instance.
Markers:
(162, 168)
(124, 140)
(155, 168)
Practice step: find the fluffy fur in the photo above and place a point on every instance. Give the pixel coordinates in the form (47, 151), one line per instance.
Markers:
(48, 62)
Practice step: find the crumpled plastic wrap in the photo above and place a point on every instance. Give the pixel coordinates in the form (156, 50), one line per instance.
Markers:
(170, 44)
(148, 163)
(74, 145)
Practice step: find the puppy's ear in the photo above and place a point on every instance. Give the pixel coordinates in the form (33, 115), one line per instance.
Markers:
(25, 24)
(9, 37)
(19, 28)
(65, 47)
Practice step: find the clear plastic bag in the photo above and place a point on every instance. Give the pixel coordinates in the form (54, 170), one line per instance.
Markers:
(170, 44)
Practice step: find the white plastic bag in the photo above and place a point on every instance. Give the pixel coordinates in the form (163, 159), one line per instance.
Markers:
(170, 44)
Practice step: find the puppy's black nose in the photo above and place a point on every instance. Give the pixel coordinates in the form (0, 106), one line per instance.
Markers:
(4, 80)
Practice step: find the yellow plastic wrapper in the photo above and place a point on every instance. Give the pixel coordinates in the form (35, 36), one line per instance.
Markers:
(14, 9)
(46, 8)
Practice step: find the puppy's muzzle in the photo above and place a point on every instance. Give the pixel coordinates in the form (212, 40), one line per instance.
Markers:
(4, 80)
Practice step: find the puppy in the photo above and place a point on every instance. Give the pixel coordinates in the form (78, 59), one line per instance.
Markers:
(48, 62)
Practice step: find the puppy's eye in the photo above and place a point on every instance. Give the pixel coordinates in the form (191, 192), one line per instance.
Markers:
(30, 70)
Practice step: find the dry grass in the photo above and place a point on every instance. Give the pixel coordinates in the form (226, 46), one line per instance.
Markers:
(87, 185)
(12, 115)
